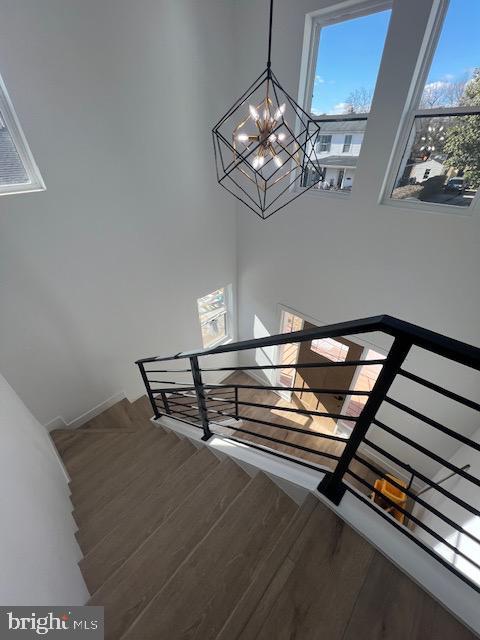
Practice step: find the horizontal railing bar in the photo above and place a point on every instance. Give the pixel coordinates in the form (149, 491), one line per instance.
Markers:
(412, 537)
(315, 434)
(172, 382)
(302, 412)
(168, 370)
(299, 365)
(172, 390)
(183, 404)
(427, 452)
(324, 454)
(184, 413)
(422, 477)
(413, 518)
(319, 390)
(215, 406)
(186, 394)
(460, 352)
(223, 400)
(275, 453)
(444, 392)
(433, 423)
(415, 497)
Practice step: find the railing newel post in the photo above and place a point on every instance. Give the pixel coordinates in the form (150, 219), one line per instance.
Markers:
(332, 486)
(200, 393)
(236, 404)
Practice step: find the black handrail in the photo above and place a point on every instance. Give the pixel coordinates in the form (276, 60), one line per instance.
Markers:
(202, 404)
(456, 350)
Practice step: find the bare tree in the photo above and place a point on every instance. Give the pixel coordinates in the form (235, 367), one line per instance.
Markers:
(359, 101)
(443, 94)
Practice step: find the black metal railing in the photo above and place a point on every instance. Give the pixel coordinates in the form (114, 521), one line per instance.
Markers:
(445, 522)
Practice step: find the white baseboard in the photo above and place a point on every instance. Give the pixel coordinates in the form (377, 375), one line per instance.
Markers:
(60, 423)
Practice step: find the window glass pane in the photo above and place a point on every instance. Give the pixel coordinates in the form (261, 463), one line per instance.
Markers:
(441, 163)
(343, 82)
(330, 349)
(12, 170)
(336, 155)
(212, 311)
(456, 57)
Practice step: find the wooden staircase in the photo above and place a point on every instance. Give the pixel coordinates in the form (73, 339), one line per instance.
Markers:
(181, 545)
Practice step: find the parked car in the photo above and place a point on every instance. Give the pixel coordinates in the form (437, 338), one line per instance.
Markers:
(457, 185)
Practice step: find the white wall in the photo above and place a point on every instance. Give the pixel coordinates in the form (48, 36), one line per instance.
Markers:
(38, 550)
(117, 100)
(341, 258)
(469, 492)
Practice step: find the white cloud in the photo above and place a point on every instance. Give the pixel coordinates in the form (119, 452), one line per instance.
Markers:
(319, 79)
(439, 84)
(341, 107)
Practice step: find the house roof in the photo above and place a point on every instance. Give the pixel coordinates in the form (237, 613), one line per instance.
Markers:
(344, 126)
(338, 161)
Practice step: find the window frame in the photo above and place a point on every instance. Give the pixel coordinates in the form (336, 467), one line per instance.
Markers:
(320, 141)
(314, 23)
(413, 111)
(349, 145)
(14, 128)
(229, 317)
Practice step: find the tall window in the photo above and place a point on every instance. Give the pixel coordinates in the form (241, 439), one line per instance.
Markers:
(441, 159)
(340, 86)
(214, 313)
(347, 144)
(18, 171)
(331, 349)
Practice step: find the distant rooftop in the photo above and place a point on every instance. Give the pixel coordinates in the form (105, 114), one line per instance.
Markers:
(347, 126)
(338, 161)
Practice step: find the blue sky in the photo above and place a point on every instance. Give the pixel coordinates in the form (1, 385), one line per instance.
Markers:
(350, 52)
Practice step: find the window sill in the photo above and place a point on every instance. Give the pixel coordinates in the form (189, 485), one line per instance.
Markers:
(218, 343)
(416, 206)
(14, 189)
(321, 193)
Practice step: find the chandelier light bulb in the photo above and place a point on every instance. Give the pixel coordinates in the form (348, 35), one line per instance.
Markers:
(253, 112)
(242, 137)
(279, 112)
(278, 161)
(281, 137)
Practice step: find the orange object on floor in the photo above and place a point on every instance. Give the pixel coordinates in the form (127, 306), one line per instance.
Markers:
(393, 493)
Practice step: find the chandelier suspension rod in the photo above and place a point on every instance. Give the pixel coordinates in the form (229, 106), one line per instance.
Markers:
(269, 59)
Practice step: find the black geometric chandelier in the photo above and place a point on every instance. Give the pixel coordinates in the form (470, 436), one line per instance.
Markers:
(265, 145)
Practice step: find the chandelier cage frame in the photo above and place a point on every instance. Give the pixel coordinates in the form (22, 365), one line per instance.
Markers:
(278, 162)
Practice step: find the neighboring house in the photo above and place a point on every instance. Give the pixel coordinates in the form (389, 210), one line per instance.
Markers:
(337, 149)
(421, 171)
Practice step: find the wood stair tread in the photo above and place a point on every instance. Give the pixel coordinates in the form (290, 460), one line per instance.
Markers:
(238, 541)
(124, 501)
(246, 610)
(86, 479)
(328, 565)
(134, 527)
(129, 590)
(106, 490)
